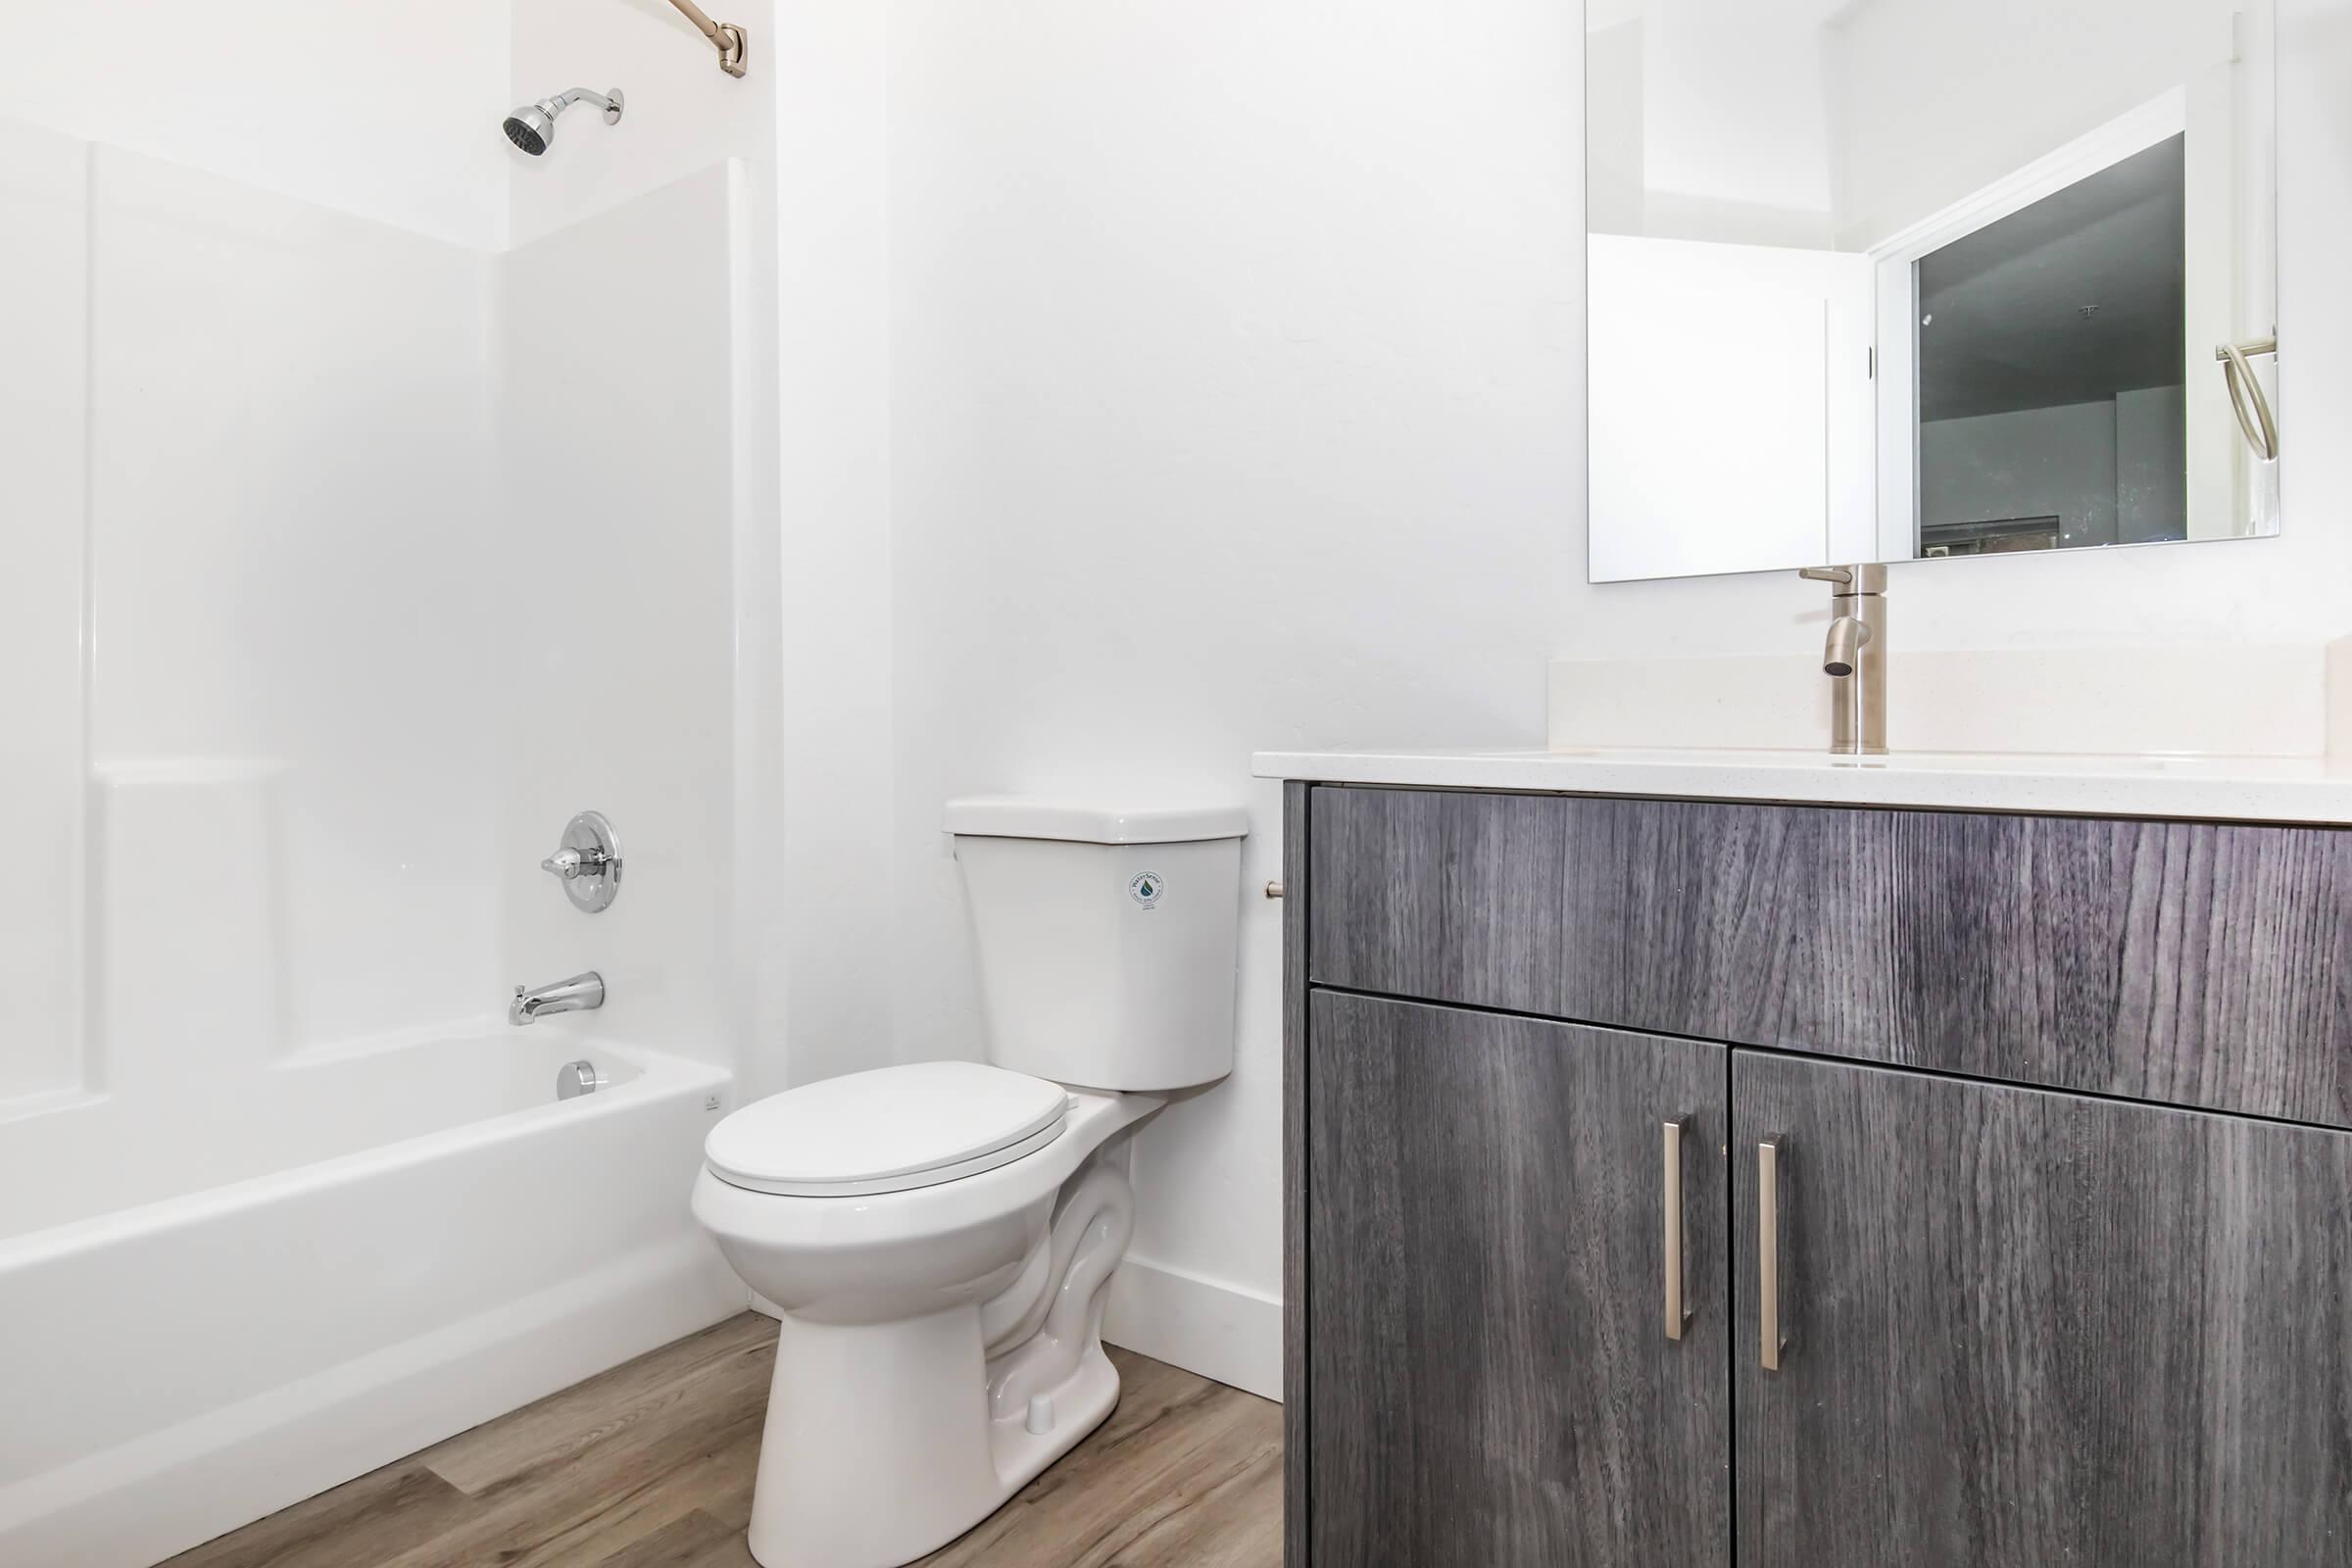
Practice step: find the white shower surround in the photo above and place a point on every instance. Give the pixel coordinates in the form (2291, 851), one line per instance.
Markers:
(268, 1218)
(179, 1367)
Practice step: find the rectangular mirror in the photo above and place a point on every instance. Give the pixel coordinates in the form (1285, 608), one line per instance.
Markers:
(1891, 279)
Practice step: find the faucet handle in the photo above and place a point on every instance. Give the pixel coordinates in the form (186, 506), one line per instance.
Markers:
(1848, 581)
(569, 863)
(587, 861)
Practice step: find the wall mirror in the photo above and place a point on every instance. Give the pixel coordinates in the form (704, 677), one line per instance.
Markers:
(1896, 280)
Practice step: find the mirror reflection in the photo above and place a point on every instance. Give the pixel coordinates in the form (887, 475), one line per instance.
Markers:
(1890, 279)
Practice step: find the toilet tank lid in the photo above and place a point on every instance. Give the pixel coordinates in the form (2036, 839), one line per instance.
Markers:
(1013, 817)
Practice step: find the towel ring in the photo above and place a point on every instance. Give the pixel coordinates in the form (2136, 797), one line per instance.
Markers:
(2262, 430)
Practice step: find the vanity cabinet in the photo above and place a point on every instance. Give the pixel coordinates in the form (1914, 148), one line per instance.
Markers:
(2044, 1292)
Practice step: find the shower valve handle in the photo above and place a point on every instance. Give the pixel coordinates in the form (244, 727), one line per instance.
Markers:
(587, 862)
(569, 863)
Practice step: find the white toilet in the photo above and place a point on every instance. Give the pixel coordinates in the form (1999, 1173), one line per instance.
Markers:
(940, 1236)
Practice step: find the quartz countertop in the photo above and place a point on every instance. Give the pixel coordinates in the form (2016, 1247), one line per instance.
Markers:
(2246, 789)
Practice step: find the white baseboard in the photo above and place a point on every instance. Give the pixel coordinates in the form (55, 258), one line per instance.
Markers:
(1219, 1331)
(172, 1489)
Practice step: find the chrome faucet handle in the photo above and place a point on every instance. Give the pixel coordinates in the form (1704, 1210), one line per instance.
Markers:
(569, 863)
(587, 861)
(1844, 575)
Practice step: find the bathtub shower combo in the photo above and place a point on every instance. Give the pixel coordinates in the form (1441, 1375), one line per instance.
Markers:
(260, 1283)
(285, 1192)
(351, 1259)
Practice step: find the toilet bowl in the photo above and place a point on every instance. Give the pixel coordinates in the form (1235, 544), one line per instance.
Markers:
(918, 1326)
(940, 1237)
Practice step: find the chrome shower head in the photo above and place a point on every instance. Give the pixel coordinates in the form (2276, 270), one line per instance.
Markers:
(532, 127)
(529, 127)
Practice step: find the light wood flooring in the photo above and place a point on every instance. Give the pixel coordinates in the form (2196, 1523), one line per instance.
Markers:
(651, 1464)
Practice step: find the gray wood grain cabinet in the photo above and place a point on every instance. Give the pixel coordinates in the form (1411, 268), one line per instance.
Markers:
(2035, 1328)
(2043, 1294)
(1490, 1380)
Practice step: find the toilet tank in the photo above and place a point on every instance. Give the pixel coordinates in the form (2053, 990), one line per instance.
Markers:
(1106, 937)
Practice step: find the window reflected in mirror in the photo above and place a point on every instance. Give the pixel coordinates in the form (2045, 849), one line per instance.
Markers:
(2052, 408)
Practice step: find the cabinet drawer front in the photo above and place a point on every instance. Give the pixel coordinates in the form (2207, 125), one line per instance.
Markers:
(1648, 914)
(2191, 962)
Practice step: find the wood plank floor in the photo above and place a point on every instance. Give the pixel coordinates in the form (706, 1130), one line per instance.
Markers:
(649, 1466)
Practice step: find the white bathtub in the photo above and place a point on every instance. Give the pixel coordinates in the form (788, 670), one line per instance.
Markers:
(377, 1249)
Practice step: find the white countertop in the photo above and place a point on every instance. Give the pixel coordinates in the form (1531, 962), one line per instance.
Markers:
(2246, 789)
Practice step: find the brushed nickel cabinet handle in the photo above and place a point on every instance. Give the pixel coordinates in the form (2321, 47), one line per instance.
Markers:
(1677, 1316)
(1768, 1249)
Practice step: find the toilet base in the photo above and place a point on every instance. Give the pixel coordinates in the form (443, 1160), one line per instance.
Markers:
(879, 1447)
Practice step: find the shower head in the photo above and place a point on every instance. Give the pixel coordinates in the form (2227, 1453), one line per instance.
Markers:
(532, 127)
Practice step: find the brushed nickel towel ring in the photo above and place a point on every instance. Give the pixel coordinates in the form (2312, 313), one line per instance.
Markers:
(2262, 430)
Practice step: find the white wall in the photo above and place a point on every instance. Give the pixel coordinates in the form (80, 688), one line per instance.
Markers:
(1738, 109)
(247, 525)
(372, 107)
(1767, 349)
(2028, 462)
(1615, 198)
(2151, 463)
(810, 934)
(289, 567)
(1937, 105)
(828, 945)
(640, 379)
(232, 443)
(616, 439)
(44, 341)
(1236, 391)
(248, 738)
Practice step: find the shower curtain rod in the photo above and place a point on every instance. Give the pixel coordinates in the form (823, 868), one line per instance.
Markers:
(733, 47)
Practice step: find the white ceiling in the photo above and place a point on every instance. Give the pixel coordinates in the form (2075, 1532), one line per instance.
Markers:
(2007, 301)
(1802, 15)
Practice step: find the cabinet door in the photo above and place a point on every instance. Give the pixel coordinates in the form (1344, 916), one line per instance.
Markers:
(2025, 1328)
(1490, 1380)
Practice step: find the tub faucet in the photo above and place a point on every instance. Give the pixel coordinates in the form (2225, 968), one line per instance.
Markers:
(576, 995)
(1854, 658)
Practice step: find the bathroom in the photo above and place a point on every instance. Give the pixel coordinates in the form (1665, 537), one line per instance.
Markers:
(888, 460)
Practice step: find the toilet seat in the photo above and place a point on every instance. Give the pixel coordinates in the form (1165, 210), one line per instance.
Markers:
(888, 1130)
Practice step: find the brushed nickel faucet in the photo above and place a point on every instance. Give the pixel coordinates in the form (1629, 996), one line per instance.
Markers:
(576, 995)
(1854, 658)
